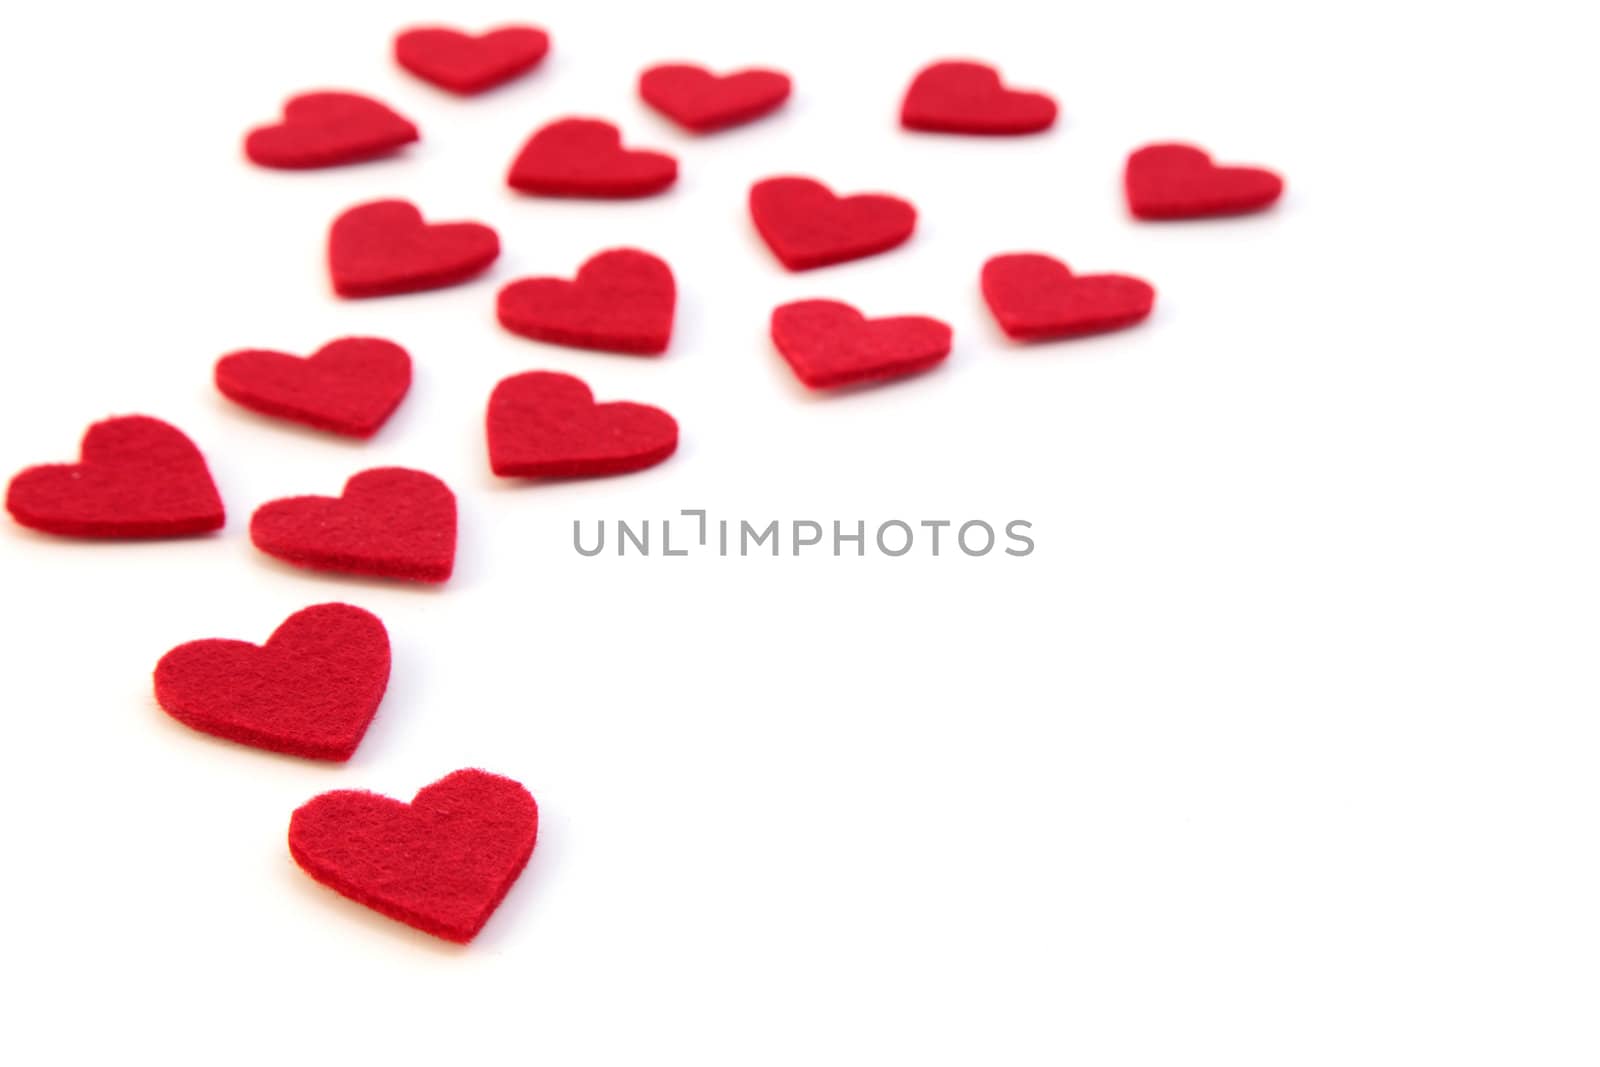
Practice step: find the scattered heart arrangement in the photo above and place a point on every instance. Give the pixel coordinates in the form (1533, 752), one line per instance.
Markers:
(443, 862)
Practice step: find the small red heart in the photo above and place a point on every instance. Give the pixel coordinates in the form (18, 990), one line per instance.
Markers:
(698, 100)
(467, 64)
(1179, 181)
(964, 97)
(547, 425)
(807, 226)
(390, 522)
(326, 129)
(349, 386)
(1034, 297)
(385, 247)
(585, 157)
(829, 343)
(309, 691)
(442, 863)
(138, 478)
(621, 301)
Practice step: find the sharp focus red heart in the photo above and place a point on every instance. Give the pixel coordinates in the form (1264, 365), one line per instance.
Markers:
(585, 157)
(1179, 181)
(621, 301)
(465, 63)
(1035, 298)
(829, 344)
(701, 101)
(807, 226)
(349, 386)
(960, 96)
(326, 129)
(547, 425)
(384, 247)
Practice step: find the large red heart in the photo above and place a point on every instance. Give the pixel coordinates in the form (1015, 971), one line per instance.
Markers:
(621, 301)
(326, 129)
(966, 97)
(829, 343)
(1179, 181)
(138, 478)
(585, 157)
(467, 64)
(701, 101)
(807, 226)
(349, 386)
(547, 425)
(442, 863)
(385, 247)
(390, 522)
(1034, 298)
(309, 691)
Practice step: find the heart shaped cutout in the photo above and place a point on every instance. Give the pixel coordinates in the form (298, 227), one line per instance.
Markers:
(384, 247)
(1179, 181)
(961, 96)
(465, 63)
(1037, 298)
(807, 226)
(327, 129)
(621, 301)
(829, 343)
(585, 157)
(547, 425)
(701, 101)
(349, 386)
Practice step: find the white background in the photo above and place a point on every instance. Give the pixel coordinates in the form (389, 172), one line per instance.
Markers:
(1280, 749)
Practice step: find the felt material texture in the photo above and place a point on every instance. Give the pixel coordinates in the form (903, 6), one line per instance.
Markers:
(546, 425)
(1037, 298)
(137, 477)
(327, 129)
(585, 157)
(465, 63)
(309, 691)
(701, 101)
(807, 226)
(830, 344)
(442, 863)
(1179, 181)
(621, 301)
(349, 386)
(384, 247)
(960, 96)
(390, 522)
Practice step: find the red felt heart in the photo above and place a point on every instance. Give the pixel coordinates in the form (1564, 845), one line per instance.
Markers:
(349, 386)
(390, 522)
(701, 101)
(807, 226)
(965, 97)
(585, 157)
(829, 343)
(138, 478)
(442, 863)
(547, 425)
(467, 64)
(385, 247)
(621, 301)
(1179, 181)
(326, 129)
(1034, 297)
(309, 691)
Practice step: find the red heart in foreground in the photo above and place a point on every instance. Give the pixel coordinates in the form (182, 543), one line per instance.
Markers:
(698, 100)
(829, 343)
(1034, 297)
(807, 226)
(547, 425)
(1179, 181)
(585, 157)
(326, 129)
(965, 97)
(349, 386)
(467, 64)
(390, 522)
(621, 301)
(442, 863)
(309, 691)
(138, 478)
(385, 247)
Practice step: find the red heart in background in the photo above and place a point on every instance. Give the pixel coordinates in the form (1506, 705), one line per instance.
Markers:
(701, 101)
(442, 863)
(959, 96)
(1035, 297)
(585, 157)
(138, 478)
(621, 301)
(349, 386)
(547, 425)
(467, 64)
(309, 691)
(390, 522)
(807, 226)
(829, 343)
(326, 129)
(385, 247)
(1179, 181)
